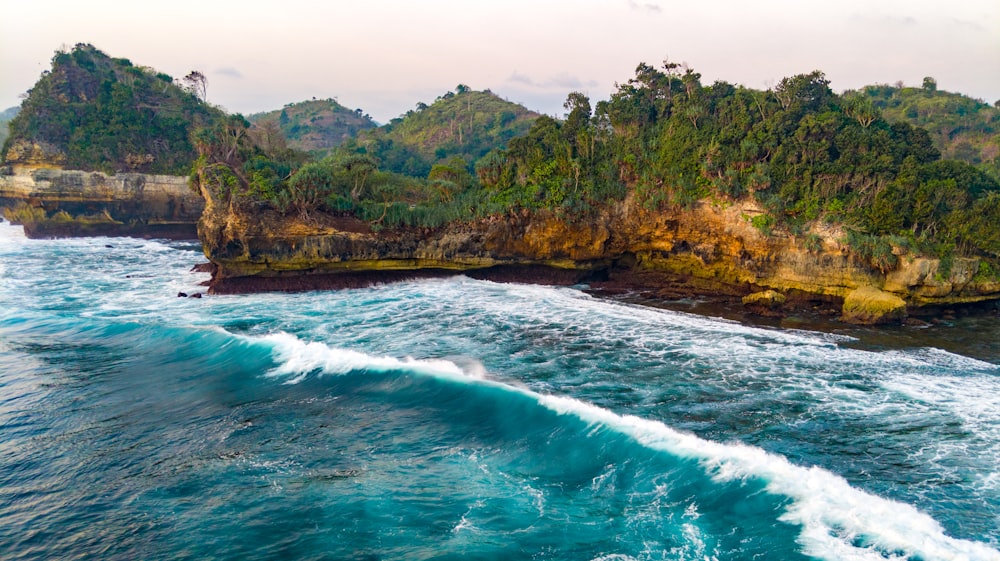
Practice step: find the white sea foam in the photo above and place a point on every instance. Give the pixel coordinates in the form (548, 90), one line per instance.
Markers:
(838, 521)
(833, 515)
(300, 358)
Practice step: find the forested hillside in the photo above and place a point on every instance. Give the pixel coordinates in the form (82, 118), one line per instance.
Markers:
(800, 151)
(5, 117)
(94, 112)
(962, 128)
(464, 124)
(315, 126)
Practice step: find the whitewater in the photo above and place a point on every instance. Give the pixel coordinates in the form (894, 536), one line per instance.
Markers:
(456, 418)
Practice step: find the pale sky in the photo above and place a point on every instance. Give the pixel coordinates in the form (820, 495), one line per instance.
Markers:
(384, 56)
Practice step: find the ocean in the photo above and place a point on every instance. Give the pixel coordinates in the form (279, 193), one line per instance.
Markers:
(464, 419)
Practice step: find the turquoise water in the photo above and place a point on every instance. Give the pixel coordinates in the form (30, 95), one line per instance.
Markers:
(461, 419)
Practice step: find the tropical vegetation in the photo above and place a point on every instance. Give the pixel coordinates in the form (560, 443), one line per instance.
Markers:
(315, 126)
(107, 114)
(801, 151)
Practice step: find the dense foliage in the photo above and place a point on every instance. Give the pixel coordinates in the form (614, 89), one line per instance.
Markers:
(107, 114)
(800, 150)
(804, 153)
(962, 128)
(315, 126)
(252, 170)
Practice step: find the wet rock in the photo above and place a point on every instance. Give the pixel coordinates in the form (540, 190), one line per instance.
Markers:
(870, 306)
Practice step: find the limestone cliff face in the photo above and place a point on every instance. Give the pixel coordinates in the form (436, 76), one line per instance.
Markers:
(710, 242)
(122, 204)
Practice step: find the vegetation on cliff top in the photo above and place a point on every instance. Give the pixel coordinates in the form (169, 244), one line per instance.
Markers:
(416, 171)
(315, 126)
(107, 114)
(802, 152)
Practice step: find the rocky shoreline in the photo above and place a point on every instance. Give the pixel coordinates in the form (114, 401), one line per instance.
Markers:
(711, 249)
(57, 203)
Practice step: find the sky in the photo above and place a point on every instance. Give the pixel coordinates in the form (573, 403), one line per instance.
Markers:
(385, 56)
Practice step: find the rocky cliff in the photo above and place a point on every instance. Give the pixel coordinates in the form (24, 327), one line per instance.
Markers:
(710, 248)
(53, 202)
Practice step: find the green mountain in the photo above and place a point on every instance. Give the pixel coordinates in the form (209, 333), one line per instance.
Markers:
(961, 127)
(465, 124)
(5, 116)
(316, 126)
(94, 112)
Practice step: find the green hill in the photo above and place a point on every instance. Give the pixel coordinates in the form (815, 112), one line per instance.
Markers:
(94, 112)
(5, 116)
(962, 128)
(316, 126)
(465, 123)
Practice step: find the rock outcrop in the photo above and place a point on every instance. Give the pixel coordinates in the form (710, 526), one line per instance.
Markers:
(868, 305)
(710, 248)
(52, 202)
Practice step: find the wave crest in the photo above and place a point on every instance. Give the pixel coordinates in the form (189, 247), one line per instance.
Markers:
(838, 521)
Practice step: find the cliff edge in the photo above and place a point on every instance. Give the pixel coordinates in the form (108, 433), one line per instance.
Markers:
(709, 249)
(52, 202)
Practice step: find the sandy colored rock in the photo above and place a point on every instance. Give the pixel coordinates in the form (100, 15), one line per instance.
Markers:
(870, 306)
(767, 299)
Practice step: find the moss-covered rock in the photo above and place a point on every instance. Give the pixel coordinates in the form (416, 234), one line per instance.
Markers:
(868, 305)
(769, 299)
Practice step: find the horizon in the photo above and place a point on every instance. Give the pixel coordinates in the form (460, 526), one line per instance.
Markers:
(265, 58)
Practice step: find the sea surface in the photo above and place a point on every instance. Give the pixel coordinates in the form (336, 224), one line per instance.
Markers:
(464, 419)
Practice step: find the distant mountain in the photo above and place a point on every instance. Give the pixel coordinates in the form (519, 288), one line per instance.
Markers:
(316, 125)
(5, 116)
(465, 123)
(94, 112)
(961, 127)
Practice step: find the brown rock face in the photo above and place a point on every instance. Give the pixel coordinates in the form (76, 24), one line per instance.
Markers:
(712, 246)
(23, 153)
(78, 203)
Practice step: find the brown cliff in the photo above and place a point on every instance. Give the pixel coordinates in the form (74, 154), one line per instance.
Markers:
(711, 248)
(53, 202)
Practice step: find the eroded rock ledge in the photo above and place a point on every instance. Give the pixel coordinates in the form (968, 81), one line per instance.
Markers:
(709, 249)
(53, 202)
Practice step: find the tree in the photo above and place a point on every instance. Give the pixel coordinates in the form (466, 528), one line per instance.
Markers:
(307, 189)
(804, 91)
(358, 167)
(930, 84)
(197, 84)
(576, 129)
(860, 108)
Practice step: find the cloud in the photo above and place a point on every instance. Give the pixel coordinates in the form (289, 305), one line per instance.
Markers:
(519, 78)
(975, 26)
(229, 71)
(883, 20)
(559, 81)
(645, 6)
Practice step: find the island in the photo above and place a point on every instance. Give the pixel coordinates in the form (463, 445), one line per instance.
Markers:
(787, 197)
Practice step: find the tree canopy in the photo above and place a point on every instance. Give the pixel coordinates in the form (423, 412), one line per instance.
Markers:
(107, 114)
